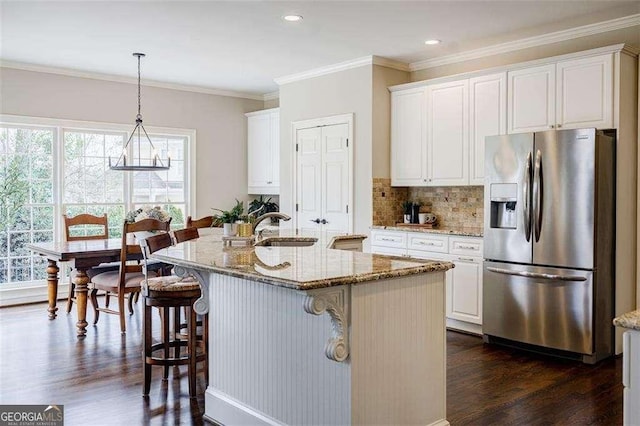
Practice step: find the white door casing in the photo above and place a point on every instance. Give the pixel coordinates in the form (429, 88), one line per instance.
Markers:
(323, 183)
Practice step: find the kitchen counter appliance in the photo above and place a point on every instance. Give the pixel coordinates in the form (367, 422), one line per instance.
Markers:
(549, 240)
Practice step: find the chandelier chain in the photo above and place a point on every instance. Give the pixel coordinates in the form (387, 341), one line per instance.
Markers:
(139, 98)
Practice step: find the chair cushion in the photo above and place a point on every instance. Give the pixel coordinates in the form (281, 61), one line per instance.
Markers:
(109, 280)
(172, 283)
(103, 267)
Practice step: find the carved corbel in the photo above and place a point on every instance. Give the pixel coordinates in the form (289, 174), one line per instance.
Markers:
(201, 306)
(333, 302)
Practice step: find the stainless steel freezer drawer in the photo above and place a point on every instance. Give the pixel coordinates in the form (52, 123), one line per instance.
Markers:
(550, 307)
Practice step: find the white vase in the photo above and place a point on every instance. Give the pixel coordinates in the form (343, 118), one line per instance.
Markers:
(229, 229)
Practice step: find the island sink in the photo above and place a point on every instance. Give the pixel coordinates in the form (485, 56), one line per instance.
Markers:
(286, 242)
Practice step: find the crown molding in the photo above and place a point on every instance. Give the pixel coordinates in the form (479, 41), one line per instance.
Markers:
(329, 69)
(122, 79)
(342, 66)
(555, 37)
(390, 63)
(270, 96)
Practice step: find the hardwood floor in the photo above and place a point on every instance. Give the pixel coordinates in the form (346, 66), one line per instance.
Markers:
(99, 379)
(494, 385)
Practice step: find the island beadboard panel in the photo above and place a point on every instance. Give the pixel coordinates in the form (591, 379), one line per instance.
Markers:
(268, 362)
(457, 207)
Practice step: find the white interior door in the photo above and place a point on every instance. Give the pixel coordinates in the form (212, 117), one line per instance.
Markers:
(309, 178)
(335, 178)
(323, 178)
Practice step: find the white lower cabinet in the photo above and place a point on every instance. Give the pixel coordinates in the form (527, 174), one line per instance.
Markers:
(464, 282)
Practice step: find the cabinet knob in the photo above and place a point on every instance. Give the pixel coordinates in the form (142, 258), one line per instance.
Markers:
(559, 125)
(269, 183)
(551, 127)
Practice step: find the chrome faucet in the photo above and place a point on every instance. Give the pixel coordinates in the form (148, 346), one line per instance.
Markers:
(277, 215)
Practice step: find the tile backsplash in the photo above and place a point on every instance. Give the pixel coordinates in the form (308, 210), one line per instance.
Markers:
(387, 202)
(457, 207)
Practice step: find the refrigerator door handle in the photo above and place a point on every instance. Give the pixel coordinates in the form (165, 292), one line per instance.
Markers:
(526, 195)
(536, 275)
(537, 196)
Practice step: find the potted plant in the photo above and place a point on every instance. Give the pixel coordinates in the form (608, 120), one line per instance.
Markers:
(407, 207)
(228, 218)
(261, 206)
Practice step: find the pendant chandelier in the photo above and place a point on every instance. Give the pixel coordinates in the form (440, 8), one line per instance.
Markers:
(155, 162)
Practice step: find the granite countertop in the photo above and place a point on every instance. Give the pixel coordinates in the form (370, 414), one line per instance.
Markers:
(462, 232)
(629, 320)
(299, 268)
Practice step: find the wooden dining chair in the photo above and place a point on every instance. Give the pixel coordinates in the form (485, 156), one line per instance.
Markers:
(126, 281)
(203, 222)
(171, 293)
(85, 227)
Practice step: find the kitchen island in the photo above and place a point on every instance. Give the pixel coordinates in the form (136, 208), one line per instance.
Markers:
(311, 335)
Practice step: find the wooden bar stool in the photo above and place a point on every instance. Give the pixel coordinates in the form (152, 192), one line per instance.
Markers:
(171, 293)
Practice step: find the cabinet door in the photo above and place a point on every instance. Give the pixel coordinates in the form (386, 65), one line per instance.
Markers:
(531, 102)
(258, 152)
(585, 92)
(263, 152)
(487, 117)
(448, 133)
(408, 149)
(275, 152)
(464, 290)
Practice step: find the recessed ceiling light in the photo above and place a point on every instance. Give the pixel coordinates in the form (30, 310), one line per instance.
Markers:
(292, 18)
(430, 42)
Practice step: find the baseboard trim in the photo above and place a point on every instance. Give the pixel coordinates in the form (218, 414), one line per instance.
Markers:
(229, 411)
(465, 327)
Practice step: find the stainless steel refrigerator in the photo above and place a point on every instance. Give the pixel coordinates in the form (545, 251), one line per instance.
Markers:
(549, 240)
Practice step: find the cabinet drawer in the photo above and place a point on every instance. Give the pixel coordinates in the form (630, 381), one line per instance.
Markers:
(388, 250)
(389, 239)
(428, 242)
(465, 246)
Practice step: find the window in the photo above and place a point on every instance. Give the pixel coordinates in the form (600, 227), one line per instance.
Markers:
(63, 169)
(26, 200)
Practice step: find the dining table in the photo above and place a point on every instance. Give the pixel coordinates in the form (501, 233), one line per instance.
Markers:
(82, 256)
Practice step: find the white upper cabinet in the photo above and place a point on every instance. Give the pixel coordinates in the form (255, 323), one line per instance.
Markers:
(532, 99)
(487, 117)
(448, 133)
(438, 127)
(263, 151)
(408, 149)
(570, 94)
(585, 92)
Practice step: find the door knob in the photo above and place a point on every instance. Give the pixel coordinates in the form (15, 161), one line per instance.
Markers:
(315, 220)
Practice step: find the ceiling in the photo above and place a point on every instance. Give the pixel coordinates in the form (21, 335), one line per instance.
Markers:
(242, 46)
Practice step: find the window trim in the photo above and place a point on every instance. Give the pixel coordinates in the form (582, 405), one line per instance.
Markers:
(34, 291)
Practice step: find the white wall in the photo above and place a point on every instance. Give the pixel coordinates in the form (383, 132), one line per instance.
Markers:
(383, 78)
(219, 121)
(344, 92)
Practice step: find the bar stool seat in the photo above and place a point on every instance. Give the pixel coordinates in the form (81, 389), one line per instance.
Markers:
(172, 293)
